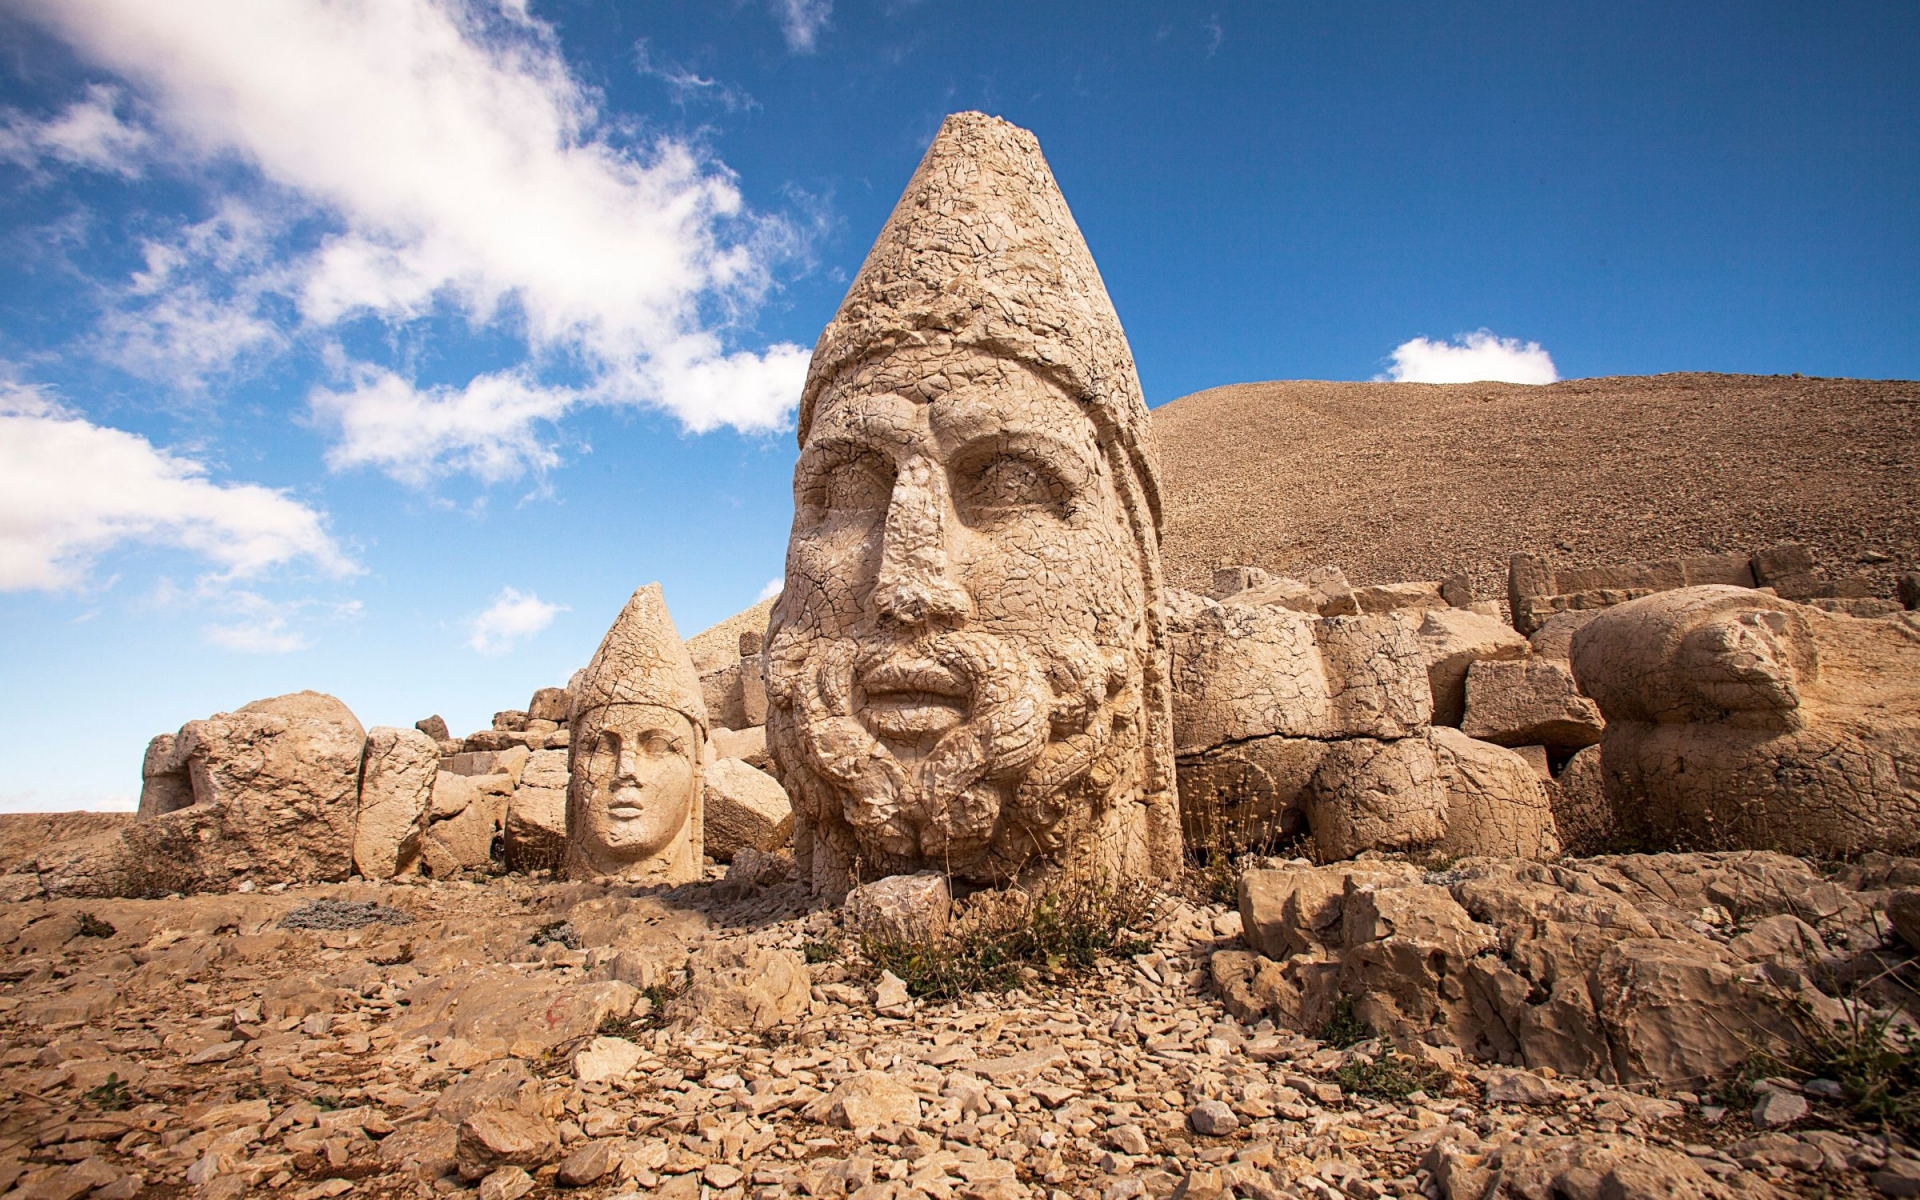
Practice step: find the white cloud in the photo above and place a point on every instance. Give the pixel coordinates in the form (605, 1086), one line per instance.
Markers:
(70, 490)
(773, 588)
(687, 86)
(87, 133)
(458, 166)
(488, 429)
(801, 21)
(35, 801)
(513, 617)
(1475, 357)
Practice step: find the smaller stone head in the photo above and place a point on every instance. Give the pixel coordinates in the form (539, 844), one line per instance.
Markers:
(639, 746)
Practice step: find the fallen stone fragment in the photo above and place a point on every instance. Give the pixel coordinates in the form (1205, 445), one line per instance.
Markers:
(1778, 1109)
(491, 1138)
(746, 808)
(1212, 1119)
(605, 1058)
(901, 908)
(507, 1183)
(866, 1101)
(588, 1164)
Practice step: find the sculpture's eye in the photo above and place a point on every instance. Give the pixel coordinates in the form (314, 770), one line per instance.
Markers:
(845, 481)
(1007, 484)
(659, 744)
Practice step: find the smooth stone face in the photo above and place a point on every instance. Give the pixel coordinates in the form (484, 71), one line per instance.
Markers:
(635, 779)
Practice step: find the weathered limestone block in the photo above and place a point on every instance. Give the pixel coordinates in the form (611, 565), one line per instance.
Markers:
(435, 727)
(467, 818)
(396, 793)
(510, 761)
(1377, 795)
(1736, 719)
(1377, 675)
(1536, 590)
(1496, 805)
(1248, 795)
(746, 808)
(1450, 640)
(1246, 671)
(1589, 968)
(1387, 597)
(748, 745)
(535, 829)
(1580, 809)
(548, 704)
(1300, 910)
(1529, 702)
(1323, 591)
(743, 988)
(1405, 962)
(904, 908)
(1554, 638)
(966, 667)
(638, 752)
(284, 775)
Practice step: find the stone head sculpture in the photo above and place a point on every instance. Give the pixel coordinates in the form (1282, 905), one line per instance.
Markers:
(637, 754)
(967, 669)
(1739, 720)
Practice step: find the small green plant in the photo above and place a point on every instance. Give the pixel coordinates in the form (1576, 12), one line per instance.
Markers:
(111, 1096)
(1875, 1062)
(1007, 936)
(824, 951)
(1388, 1077)
(93, 927)
(1344, 1028)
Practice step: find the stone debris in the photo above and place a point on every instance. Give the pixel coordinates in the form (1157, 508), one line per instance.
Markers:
(453, 1054)
(344, 914)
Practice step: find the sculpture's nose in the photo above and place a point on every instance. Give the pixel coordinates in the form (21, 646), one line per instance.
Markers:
(915, 584)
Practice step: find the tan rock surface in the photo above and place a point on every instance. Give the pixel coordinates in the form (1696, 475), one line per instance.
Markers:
(1496, 805)
(1744, 720)
(638, 749)
(746, 808)
(396, 792)
(966, 667)
(1530, 702)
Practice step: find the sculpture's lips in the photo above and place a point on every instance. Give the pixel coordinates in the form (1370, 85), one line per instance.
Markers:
(913, 698)
(921, 676)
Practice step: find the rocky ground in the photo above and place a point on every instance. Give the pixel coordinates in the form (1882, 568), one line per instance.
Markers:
(720, 1040)
(1396, 481)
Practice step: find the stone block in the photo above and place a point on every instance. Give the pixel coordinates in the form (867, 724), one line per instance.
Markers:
(396, 794)
(1526, 702)
(745, 807)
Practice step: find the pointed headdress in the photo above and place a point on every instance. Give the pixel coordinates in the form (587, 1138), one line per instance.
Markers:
(981, 252)
(642, 661)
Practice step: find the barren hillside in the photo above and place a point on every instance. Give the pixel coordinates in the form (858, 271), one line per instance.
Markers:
(1397, 481)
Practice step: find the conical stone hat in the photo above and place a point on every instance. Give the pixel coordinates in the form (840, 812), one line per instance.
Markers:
(981, 251)
(642, 661)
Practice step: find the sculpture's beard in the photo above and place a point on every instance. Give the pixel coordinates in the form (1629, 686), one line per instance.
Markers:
(951, 746)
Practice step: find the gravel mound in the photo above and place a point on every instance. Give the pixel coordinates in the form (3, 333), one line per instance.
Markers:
(343, 914)
(1400, 481)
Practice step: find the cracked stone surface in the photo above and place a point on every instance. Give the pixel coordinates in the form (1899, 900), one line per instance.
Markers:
(637, 750)
(966, 666)
(1736, 719)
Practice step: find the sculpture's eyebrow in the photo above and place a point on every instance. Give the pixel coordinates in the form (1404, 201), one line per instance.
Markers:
(1056, 454)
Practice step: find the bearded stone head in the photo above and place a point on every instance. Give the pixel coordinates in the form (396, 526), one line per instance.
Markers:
(966, 668)
(637, 754)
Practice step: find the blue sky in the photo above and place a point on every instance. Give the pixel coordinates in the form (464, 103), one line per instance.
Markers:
(384, 347)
